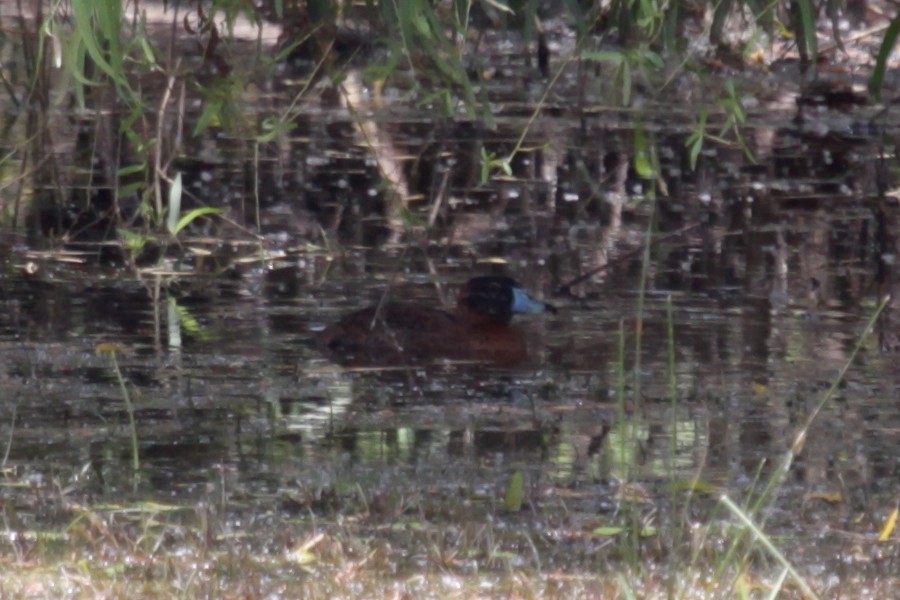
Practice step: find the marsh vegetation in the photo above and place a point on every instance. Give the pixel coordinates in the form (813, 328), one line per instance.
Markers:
(192, 191)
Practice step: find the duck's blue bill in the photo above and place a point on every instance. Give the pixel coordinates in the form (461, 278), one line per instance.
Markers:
(523, 303)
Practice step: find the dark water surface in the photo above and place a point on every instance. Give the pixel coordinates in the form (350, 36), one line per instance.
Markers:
(234, 399)
(770, 272)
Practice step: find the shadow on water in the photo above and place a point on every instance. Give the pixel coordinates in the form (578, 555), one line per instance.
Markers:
(770, 269)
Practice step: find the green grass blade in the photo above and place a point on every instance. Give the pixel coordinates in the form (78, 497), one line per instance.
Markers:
(762, 538)
(806, 34)
(191, 215)
(887, 46)
(174, 214)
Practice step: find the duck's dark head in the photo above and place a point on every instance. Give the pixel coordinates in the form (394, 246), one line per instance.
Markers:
(499, 298)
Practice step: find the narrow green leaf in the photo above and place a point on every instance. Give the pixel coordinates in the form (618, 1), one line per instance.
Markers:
(654, 59)
(172, 219)
(766, 542)
(807, 33)
(515, 492)
(695, 140)
(487, 159)
(500, 6)
(696, 149)
(887, 46)
(642, 155)
(273, 127)
(642, 165)
(149, 55)
(506, 166)
(210, 115)
(79, 75)
(131, 169)
(108, 20)
(135, 242)
(189, 322)
(193, 214)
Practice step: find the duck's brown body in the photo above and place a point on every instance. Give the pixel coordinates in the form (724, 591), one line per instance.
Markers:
(476, 330)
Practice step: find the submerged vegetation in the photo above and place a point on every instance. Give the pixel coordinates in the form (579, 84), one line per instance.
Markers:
(187, 143)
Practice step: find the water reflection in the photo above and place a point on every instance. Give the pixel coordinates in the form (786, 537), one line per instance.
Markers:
(746, 366)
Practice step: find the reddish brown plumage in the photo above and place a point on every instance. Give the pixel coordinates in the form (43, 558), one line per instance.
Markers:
(476, 330)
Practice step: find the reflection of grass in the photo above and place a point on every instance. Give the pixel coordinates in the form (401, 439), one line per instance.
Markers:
(395, 535)
(377, 530)
(111, 350)
(753, 516)
(638, 528)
